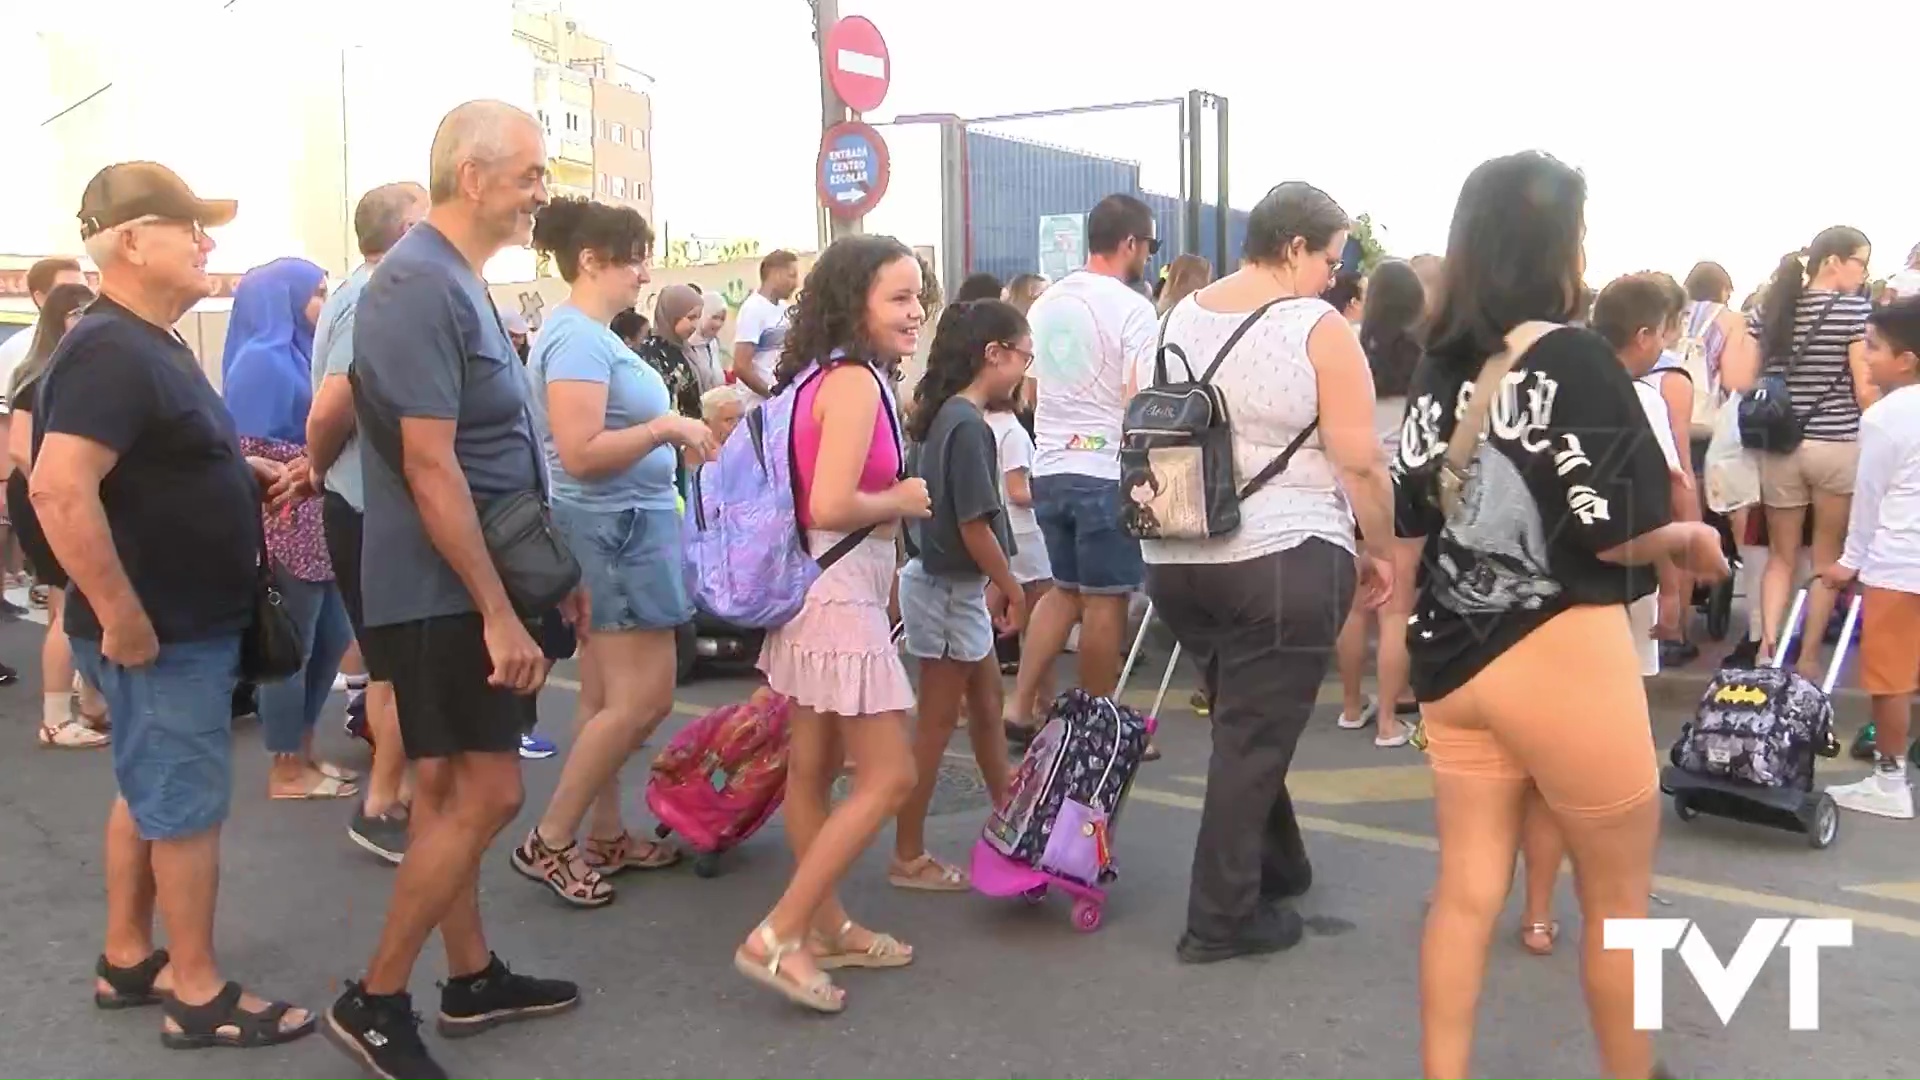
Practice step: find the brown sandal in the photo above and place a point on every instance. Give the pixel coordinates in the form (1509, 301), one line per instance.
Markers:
(553, 867)
(613, 855)
(1548, 930)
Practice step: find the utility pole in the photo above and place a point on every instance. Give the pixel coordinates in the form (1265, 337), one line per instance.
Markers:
(832, 111)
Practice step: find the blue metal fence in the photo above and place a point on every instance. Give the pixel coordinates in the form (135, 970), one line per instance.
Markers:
(1012, 184)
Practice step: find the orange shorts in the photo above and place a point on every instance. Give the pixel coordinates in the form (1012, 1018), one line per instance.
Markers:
(1564, 708)
(1889, 642)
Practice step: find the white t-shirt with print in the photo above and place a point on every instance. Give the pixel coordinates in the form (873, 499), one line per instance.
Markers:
(1088, 331)
(1029, 561)
(1273, 393)
(762, 323)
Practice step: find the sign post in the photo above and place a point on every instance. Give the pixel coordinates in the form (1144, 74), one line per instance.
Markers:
(852, 171)
(855, 73)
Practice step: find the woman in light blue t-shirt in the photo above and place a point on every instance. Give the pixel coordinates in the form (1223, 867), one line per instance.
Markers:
(610, 433)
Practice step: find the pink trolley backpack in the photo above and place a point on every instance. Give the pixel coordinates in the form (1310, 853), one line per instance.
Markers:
(722, 777)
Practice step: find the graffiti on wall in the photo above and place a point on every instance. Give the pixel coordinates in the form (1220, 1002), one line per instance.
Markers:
(705, 251)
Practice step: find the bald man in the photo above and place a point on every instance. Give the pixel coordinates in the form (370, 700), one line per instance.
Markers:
(438, 389)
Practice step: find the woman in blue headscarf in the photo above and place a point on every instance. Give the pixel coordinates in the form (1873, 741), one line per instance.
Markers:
(268, 374)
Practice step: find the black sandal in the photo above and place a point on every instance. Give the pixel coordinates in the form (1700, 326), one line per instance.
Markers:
(132, 986)
(200, 1024)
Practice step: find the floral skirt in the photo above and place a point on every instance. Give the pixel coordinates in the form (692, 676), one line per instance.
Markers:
(838, 655)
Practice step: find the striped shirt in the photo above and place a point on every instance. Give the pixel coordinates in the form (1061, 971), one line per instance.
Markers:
(1822, 382)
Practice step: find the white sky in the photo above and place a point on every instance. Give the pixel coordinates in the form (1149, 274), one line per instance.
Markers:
(1707, 129)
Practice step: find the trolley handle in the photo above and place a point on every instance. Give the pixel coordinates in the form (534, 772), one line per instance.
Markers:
(1847, 630)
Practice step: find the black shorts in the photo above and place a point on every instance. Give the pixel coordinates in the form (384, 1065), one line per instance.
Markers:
(341, 524)
(439, 669)
(33, 543)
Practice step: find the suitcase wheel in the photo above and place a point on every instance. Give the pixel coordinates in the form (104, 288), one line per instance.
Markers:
(1824, 825)
(1086, 916)
(1683, 807)
(706, 865)
(662, 831)
(1035, 895)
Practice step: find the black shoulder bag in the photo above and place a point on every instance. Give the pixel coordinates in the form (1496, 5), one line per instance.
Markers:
(536, 568)
(1768, 422)
(1176, 450)
(271, 649)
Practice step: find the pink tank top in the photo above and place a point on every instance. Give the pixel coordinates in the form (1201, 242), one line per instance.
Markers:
(882, 470)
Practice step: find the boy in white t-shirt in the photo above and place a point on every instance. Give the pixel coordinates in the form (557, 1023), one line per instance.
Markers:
(1637, 315)
(1883, 557)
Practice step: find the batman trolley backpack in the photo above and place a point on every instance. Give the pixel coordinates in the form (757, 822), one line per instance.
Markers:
(1748, 754)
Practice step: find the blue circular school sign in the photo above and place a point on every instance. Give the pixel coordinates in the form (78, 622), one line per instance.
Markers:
(853, 169)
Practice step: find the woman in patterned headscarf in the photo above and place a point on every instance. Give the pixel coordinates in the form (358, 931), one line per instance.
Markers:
(703, 348)
(675, 315)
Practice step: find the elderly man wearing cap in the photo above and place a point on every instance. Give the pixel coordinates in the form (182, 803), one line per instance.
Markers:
(150, 506)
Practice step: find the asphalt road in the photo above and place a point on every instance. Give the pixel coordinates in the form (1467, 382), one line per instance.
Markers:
(1000, 989)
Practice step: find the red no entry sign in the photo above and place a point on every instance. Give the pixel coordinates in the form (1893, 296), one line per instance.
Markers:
(857, 63)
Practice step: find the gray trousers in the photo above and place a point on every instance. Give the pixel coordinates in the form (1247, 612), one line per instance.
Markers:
(1262, 634)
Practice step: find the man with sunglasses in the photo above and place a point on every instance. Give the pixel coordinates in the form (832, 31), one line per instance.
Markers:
(1089, 329)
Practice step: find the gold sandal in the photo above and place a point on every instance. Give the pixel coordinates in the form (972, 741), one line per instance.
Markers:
(817, 993)
(884, 951)
(913, 874)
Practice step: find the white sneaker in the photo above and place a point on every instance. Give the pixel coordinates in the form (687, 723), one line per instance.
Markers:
(1367, 714)
(1882, 794)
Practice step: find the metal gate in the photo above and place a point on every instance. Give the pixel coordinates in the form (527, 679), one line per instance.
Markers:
(1013, 204)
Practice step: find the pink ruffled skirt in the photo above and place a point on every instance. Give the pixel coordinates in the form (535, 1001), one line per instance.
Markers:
(838, 656)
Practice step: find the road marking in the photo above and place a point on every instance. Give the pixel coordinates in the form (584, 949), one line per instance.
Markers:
(1396, 778)
(1665, 884)
(1907, 891)
(1346, 787)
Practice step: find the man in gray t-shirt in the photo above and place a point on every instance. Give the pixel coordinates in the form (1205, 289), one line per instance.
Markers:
(427, 345)
(438, 387)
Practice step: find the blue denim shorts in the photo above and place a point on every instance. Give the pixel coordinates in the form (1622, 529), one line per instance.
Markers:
(631, 565)
(1080, 518)
(172, 732)
(945, 617)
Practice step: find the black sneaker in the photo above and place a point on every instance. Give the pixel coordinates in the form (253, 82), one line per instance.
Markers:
(382, 1033)
(473, 1003)
(385, 836)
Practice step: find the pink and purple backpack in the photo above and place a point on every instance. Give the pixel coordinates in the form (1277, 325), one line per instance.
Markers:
(746, 557)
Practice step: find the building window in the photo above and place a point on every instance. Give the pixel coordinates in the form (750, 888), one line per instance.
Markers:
(541, 115)
(573, 121)
(619, 187)
(640, 138)
(619, 133)
(640, 190)
(604, 184)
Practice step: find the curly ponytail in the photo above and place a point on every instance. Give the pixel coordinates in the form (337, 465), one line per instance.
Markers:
(958, 352)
